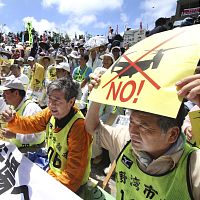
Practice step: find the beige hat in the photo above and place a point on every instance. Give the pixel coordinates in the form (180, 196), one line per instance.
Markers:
(116, 47)
(63, 65)
(74, 54)
(51, 60)
(13, 84)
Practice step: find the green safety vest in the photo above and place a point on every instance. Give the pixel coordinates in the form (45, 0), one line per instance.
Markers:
(18, 143)
(78, 76)
(58, 148)
(132, 183)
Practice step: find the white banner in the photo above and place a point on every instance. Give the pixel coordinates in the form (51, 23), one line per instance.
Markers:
(21, 179)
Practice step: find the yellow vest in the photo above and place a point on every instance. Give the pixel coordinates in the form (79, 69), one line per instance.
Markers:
(133, 183)
(58, 148)
(18, 143)
(37, 77)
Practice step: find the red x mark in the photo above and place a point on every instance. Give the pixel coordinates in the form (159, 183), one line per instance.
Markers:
(133, 64)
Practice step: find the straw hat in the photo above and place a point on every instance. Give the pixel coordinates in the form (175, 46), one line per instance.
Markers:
(41, 60)
(74, 54)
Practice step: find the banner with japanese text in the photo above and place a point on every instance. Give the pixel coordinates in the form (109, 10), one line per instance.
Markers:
(144, 77)
(22, 179)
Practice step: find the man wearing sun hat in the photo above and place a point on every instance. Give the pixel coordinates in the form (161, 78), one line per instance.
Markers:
(14, 94)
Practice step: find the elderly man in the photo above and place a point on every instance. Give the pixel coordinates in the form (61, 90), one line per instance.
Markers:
(156, 163)
(68, 143)
(14, 94)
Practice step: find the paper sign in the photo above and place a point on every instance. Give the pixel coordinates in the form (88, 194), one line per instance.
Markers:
(195, 122)
(144, 77)
(22, 179)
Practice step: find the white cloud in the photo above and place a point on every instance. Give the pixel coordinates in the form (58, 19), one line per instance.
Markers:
(67, 27)
(153, 9)
(124, 18)
(72, 29)
(1, 3)
(83, 20)
(40, 26)
(101, 25)
(82, 13)
(80, 7)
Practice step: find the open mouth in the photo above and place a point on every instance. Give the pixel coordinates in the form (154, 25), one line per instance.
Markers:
(54, 112)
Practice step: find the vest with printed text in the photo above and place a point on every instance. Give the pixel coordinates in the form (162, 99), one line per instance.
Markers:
(132, 183)
(58, 147)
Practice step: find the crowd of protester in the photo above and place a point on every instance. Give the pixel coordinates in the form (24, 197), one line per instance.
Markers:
(44, 98)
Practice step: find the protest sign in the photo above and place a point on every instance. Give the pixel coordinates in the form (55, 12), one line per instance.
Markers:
(144, 77)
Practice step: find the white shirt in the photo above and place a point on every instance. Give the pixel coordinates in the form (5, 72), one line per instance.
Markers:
(31, 109)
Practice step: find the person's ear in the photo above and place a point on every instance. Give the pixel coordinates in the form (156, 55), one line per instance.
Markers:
(72, 101)
(173, 134)
(16, 92)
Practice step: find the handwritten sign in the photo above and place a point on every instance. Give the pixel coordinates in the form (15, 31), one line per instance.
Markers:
(144, 77)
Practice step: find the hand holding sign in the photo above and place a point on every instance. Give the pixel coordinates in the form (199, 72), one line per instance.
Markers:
(189, 88)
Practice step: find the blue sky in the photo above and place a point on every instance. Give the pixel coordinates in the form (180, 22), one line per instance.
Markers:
(81, 16)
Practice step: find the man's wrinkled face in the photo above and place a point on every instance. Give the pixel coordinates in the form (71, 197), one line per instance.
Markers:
(145, 133)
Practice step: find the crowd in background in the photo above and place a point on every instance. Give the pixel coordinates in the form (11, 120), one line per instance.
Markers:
(31, 72)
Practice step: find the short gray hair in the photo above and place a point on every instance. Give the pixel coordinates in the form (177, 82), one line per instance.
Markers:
(66, 85)
(165, 123)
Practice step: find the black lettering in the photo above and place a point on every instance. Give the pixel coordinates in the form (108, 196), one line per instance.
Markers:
(23, 189)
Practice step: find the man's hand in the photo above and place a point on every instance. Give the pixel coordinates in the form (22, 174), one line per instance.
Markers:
(188, 133)
(8, 115)
(189, 88)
